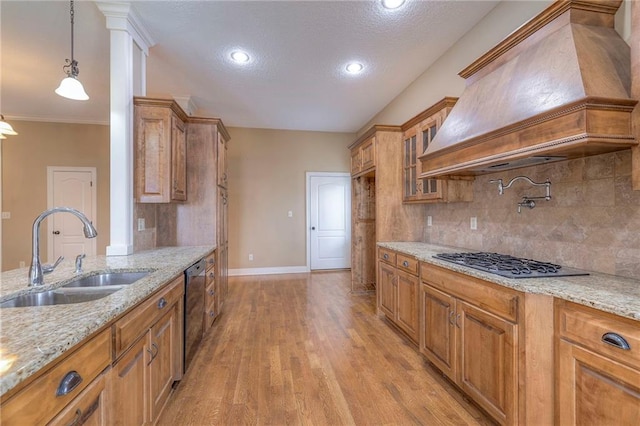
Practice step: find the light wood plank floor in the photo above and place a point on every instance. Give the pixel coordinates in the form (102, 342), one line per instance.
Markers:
(301, 350)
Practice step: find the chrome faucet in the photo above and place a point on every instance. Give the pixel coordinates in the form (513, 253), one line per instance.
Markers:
(79, 263)
(36, 270)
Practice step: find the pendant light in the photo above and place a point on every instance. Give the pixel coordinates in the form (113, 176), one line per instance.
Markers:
(5, 128)
(70, 87)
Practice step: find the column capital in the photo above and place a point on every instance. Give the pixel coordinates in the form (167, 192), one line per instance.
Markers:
(122, 17)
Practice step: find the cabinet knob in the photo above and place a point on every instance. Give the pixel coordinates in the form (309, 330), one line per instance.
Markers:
(211, 292)
(385, 256)
(69, 382)
(212, 275)
(212, 314)
(614, 339)
(405, 264)
(162, 303)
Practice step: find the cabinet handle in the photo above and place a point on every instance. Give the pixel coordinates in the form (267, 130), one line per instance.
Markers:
(458, 320)
(212, 261)
(211, 292)
(77, 419)
(451, 315)
(385, 256)
(614, 339)
(162, 303)
(405, 264)
(153, 355)
(69, 382)
(212, 314)
(212, 275)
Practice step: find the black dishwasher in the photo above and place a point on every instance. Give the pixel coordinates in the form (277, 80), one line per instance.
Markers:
(194, 279)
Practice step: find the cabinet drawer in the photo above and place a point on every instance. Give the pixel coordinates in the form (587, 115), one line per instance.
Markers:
(39, 402)
(210, 278)
(599, 331)
(407, 263)
(89, 408)
(491, 297)
(387, 255)
(128, 329)
(210, 261)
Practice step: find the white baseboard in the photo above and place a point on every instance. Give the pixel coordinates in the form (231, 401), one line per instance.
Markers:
(269, 271)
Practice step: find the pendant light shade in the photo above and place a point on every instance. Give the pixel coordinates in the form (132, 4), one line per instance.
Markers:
(70, 87)
(5, 128)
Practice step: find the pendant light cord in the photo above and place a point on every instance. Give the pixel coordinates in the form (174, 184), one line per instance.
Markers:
(72, 13)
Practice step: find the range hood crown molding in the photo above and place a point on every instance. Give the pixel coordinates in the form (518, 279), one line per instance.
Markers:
(557, 87)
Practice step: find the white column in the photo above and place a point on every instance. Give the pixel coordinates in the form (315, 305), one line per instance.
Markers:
(125, 29)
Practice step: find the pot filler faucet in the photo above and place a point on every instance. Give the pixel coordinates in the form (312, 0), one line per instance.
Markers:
(526, 200)
(37, 270)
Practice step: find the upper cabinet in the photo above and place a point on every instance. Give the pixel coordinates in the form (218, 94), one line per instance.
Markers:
(363, 155)
(160, 151)
(417, 136)
(223, 145)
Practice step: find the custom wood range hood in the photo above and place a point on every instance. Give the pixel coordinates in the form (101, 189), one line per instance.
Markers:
(556, 88)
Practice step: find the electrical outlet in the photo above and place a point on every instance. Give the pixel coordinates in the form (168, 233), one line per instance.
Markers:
(141, 225)
(6, 215)
(474, 223)
(250, 257)
(429, 221)
(290, 213)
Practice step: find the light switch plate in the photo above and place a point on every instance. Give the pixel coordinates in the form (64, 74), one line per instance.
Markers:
(429, 221)
(290, 213)
(141, 225)
(6, 215)
(474, 223)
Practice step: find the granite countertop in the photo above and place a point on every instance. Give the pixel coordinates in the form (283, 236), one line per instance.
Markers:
(610, 293)
(31, 338)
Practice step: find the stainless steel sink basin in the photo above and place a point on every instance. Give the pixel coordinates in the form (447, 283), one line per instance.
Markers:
(107, 279)
(58, 297)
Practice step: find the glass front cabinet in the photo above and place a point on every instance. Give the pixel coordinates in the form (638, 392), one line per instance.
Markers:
(417, 135)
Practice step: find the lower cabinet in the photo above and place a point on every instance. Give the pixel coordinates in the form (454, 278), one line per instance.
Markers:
(597, 367)
(211, 293)
(90, 408)
(143, 375)
(470, 333)
(398, 286)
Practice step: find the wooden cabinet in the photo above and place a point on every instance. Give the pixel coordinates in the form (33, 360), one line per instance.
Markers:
(203, 219)
(90, 408)
(398, 285)
(160, 151)
(210, 294)
(418, 134)
(148, 344)
(597, 367)
(59, 386)
(469, 330)
(363, 156)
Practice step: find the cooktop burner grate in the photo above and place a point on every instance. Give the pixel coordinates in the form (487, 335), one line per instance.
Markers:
(509, 266)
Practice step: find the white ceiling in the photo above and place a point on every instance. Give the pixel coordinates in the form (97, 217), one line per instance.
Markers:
(296, 79)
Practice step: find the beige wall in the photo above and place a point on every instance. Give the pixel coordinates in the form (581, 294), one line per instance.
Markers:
(267, 179)
(25, 158)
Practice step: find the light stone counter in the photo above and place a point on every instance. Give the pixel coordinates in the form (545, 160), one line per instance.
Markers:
(31, 338)
(610, 293)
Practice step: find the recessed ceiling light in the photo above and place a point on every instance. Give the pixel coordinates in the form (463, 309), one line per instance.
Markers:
(240, 57)
(392, 4)
(354, 67)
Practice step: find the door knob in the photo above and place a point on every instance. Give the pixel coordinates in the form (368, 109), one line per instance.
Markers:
(56, 232)
(313, 228)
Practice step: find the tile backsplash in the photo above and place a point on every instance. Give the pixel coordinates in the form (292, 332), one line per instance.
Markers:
(592, 221)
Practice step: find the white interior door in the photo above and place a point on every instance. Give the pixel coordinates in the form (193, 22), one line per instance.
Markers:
(330, 221)
(70, 187)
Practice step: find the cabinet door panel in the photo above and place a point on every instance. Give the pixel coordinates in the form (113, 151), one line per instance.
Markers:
(130, 386)
(594, 390)
(368, 154)
(178, 160)
(438, 340)
(387, 289)
(408, 308)
(488, 361)
(162, 362)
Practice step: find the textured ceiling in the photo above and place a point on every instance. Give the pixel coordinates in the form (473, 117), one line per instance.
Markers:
(296, 78)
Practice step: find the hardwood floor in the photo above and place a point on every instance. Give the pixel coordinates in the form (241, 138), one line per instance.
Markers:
(300, 349)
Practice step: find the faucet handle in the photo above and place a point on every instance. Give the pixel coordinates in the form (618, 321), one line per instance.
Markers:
(49, 268)
(79, 262)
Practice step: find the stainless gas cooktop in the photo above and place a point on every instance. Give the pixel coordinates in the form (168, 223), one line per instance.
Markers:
(509, 266)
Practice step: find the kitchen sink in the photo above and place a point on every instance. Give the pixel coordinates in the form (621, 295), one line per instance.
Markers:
(107, 279)
(59, 297)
